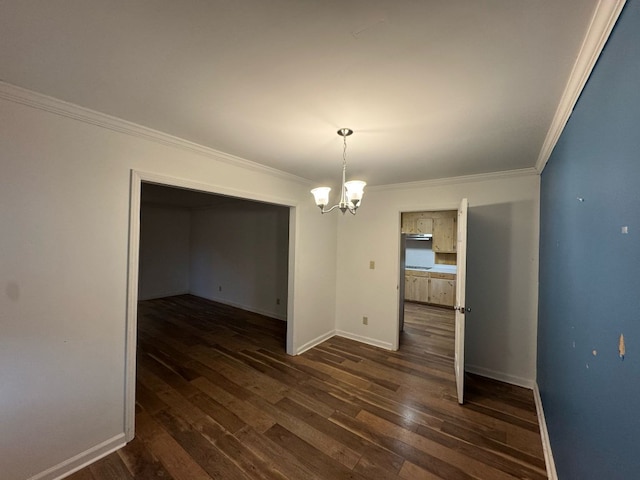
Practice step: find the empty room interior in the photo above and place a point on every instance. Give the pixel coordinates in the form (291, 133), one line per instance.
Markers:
(319, 240)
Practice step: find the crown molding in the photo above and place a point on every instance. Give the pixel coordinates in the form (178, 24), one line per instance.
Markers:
(481, 177)
(53, 105)
(604, 18)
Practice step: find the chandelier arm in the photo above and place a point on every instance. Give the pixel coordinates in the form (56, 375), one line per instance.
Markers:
(332, 208)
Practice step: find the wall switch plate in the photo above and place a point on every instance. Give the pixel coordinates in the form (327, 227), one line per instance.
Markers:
(365, 320)
(277, 301)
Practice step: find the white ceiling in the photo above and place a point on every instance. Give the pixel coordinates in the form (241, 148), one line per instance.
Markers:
(432, 89)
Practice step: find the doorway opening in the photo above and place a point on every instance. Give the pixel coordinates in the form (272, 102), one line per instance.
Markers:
(428, 245)
(231, 249)
(432, 281)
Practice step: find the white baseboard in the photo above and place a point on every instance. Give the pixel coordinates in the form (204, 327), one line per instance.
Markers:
(501, 376)
(248, 308)
(362, 339)
(544, 433)
(316, 341)
(171, 293)
(340, 333)
(81, 460)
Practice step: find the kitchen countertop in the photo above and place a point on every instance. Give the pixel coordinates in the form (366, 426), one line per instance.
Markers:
(436, 269)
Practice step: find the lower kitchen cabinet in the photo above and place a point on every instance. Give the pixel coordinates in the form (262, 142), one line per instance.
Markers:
(427, 287)
(442, 291)
(416, 286)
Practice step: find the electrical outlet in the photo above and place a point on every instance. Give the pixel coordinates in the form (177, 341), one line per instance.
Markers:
(365, 320)
(219, 288)
(372, 264)
(277, 301)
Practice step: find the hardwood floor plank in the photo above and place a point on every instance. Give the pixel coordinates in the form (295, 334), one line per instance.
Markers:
(223, 416)
(244, 410)
(250, 463)
(369, 469)
(314, 459)
(310, 402)
(328, 349)
(152, 366)
(324, 425)
(147, 399)
(172, 455)
(477, 439)
(336, 395)
(140, 463)
(250, 379)
(411, 471)
(443, 460)
(287, 463)
(187, 411)
(332, 447)
(110, 467)
(201, 449)
(84, 474)
(219, 398)
(386, 440)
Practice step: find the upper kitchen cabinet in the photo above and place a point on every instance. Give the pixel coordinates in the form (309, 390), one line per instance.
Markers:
(441, 224)
(417, 222)
(445, 234)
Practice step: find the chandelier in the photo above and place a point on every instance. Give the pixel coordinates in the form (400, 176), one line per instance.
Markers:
(352, 191)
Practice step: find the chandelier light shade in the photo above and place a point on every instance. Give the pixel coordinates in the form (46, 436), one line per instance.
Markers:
(352, 191)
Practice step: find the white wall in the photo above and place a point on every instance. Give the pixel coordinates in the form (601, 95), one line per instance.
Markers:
(164, 251)
(64, 211)
(502, 268)
(239, 256)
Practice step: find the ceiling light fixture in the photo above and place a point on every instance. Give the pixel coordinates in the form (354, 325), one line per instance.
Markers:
(352, 191)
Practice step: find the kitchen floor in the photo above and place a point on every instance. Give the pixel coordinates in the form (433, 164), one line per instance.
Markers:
(428, 330)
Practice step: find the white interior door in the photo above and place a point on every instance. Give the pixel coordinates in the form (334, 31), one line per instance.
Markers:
(461, 308)
(401, 285)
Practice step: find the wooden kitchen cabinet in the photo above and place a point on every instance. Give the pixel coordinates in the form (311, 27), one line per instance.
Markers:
(416, 286)
(445, 234)
(416, 222)
(425, 287)
(424, 225)
(442, 289)
(443, 225)
(408, 223)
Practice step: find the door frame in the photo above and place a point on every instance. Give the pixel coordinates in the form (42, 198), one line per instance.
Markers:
(137, 178)
(429, 207)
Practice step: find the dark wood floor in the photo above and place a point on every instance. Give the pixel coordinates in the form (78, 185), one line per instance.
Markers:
(219, 398)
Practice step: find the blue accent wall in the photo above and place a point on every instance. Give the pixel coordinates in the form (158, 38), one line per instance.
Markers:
(590, 271)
